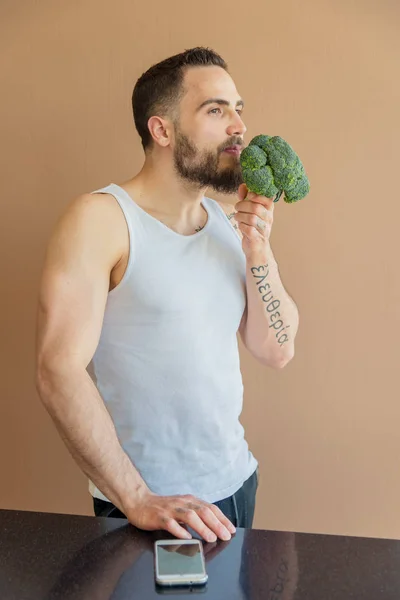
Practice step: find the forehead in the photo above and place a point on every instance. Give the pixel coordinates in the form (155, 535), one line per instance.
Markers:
(201, 83)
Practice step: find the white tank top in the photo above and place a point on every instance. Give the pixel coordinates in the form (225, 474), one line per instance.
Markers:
(167, 362)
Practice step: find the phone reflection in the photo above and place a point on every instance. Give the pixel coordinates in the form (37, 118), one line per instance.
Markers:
(183, 549)
(119, 565)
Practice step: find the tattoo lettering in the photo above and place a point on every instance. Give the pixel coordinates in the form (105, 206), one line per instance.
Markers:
(230, 217)
(271, 303)
(262, 288)
(254, 269)
(265, 297)
(275, 304)
(262, 276)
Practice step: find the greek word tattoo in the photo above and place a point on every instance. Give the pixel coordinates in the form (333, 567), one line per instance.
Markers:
(260, 275)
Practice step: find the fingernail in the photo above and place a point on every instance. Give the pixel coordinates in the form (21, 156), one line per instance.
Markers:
(212, 538)
(226, 536)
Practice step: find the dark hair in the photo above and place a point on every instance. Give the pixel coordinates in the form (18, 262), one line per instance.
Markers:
(159, 89)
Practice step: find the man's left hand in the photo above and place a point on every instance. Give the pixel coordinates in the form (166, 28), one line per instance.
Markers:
(255, 215)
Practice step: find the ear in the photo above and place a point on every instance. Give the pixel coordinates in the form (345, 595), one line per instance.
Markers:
(160, 130)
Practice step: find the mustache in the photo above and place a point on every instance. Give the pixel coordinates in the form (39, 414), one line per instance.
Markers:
(234, 141)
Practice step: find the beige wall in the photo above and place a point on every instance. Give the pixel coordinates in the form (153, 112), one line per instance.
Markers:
(325, 76)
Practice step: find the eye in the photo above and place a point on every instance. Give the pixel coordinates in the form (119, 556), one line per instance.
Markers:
(239, 111)
(212, 111)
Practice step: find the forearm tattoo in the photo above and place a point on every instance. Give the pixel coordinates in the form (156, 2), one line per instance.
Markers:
(260, 274)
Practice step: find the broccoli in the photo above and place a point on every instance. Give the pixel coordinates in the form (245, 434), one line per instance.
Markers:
(270, 167)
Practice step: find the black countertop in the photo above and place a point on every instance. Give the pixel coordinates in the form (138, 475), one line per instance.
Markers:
(46, 556)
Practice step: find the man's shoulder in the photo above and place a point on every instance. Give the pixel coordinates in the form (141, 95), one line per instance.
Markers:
(98, 218)
(97, 208)
(96, 201)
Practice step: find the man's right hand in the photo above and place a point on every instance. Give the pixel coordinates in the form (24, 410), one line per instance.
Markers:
(152, 512)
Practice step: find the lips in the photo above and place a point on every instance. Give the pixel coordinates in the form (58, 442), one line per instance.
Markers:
(236, 149)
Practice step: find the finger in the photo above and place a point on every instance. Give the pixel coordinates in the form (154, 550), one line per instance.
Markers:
(224, 519)
(267, 202)
(249, 231)
(171, 525)
(214, 523)
(198, 525)
(242, 191)
(253, 207)
(252, 220)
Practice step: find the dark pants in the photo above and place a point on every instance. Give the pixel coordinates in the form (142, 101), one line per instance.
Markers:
(239, 508)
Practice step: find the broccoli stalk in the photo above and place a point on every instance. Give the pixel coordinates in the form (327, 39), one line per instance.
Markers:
(271, 167)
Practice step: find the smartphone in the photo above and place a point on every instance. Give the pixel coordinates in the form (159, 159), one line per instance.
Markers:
(179, 562)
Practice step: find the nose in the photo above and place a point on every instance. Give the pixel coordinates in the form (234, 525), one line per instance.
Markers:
(236, 127)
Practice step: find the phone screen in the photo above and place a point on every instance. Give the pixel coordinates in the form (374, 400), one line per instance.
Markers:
(179, 559)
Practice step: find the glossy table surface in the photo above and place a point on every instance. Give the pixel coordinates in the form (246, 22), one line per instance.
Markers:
(45, 556)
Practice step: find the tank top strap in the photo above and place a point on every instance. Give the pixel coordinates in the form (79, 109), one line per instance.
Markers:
(220, 216)
(121, 197)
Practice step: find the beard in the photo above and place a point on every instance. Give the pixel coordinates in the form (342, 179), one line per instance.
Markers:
(202, 167)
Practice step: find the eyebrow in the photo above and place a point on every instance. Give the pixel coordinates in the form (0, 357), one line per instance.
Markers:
(219, 101)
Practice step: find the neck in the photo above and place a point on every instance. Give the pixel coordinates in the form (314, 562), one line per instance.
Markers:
(157, 187)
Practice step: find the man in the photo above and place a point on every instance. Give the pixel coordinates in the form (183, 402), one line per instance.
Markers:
(148, 283)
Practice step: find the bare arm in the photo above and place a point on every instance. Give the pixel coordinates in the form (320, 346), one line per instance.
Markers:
(267, 333)
(82, 253)
(73, 293)
(272, 318)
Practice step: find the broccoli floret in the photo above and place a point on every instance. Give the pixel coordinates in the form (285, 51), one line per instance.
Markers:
(270, 167)
(253, 158)
(261, 181)
(261, 141)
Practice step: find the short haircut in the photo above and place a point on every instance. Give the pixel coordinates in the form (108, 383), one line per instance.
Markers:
(159, 90)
